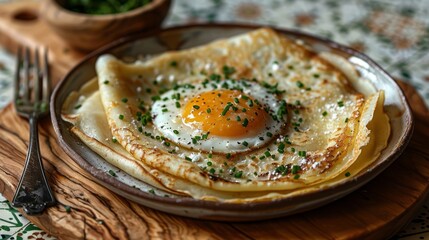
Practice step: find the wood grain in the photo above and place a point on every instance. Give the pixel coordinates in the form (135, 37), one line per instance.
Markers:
(376, 211)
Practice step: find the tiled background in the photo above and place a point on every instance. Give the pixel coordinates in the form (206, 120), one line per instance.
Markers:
(395, 33)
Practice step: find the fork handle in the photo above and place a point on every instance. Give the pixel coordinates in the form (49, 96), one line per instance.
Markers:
(33, 192)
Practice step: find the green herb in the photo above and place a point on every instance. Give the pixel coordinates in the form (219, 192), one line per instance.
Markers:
(300, 84)
(173, 64)
(269, 134)
(228, 71)
(245, 122)
(325, 113)
(244, 97)
(238, 118)
(111, 172)
(106, 82)
(245, 143)
(152, 191)
(281, 148)
(295, 169)
(114, 140)
(208, 110)
(124, 100)
(188, 158)
(225, 110)
(212, 171)
(196, 107)
(121, 116)
(347, 174)
(210, 155)
(209, 164)
(228, 156)
(67, 208)
(250, 103)
(76, 107)
(104, 7)
(272, 88)
(340, 103)
(238, 174)
(236, 100)
(296, 176)
(302, 153)
(164, 110)
(347, 119)
(176, 132)
(177, 105)
(267, 153)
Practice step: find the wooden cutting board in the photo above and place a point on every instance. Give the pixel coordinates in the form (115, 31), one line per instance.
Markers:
(376, 211)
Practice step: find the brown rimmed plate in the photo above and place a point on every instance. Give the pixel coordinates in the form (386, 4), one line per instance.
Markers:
(183, 37)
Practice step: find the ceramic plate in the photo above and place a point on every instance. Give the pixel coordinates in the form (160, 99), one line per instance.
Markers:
(193, 35)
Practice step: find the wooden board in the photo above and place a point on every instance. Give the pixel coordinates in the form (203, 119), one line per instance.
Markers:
(376, 211)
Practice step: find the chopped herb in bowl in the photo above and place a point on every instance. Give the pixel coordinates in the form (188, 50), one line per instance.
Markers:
(103, 7)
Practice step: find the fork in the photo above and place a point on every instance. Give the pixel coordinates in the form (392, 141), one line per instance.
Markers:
(31, 101)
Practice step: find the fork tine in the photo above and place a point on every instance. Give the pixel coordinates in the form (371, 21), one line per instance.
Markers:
(36, 77)
(46, 77)
(25, 87)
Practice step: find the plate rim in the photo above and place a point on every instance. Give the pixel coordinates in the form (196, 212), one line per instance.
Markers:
(107, 181)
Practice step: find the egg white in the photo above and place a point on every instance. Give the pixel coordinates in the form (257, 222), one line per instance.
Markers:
(167, 118)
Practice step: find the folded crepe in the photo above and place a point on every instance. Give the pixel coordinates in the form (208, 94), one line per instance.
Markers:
(330, 123)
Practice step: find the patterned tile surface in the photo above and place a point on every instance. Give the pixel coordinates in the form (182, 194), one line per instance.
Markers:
(395, 33)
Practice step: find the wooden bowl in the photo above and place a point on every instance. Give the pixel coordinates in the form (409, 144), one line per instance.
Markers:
(88, 32)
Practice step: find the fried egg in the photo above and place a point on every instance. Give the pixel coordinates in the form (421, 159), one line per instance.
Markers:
(228, 116)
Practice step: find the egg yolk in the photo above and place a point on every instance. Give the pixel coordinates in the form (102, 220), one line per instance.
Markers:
(225, 113)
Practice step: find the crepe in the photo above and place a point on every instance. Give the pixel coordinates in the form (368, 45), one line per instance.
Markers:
(339, 142)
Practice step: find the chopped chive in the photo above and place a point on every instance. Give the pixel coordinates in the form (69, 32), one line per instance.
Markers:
(245, 122)
(292, 149)
(296, 176)
(238, 174)
(347, 119)
(177, 105)
(238, 118)
(114, 140)
(111, 172)
(228, 156)
(210, 155)
(245, 143)
(325, 113)
(196, 107)
(340, 103)
(121, 116)
(209, 164)
(188, 158)
(244, 97)
(124, 100)
(208, 110)
(295, 169)
(76, 107)
(212, 171)
(225, 110)
(250, 103)
(267, 153)
(299, 84)
(152, 191)
(302, 153)
(106, 82)
(173, 64)
(281, 148)
(167, 144)
(164, 110)
(67, 208)
(269, 134)
(236, 100)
